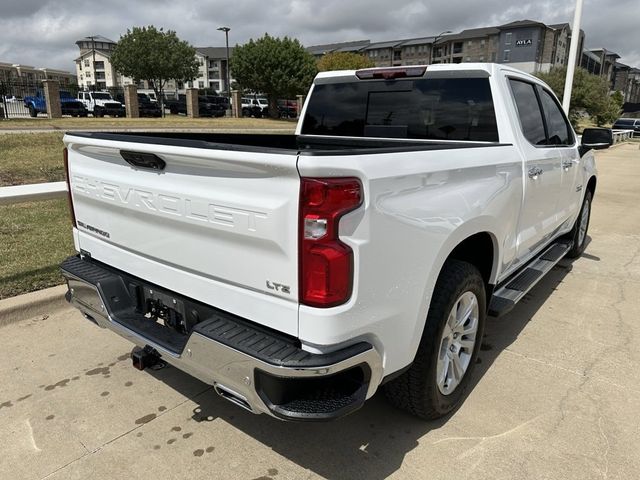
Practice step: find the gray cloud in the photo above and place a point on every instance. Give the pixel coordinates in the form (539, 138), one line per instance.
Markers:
(43, 33)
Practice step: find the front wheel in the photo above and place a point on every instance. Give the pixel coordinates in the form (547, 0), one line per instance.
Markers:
(437, 380)
(32, 112)
(578, 233)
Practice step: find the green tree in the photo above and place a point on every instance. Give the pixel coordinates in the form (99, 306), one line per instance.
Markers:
(278, 67)
(590, 93)
(344, 61)
(151, 54)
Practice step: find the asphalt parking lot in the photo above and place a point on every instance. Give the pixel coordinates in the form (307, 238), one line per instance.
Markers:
(556, 395)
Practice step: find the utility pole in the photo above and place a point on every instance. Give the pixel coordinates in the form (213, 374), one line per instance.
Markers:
(93, 54)
(573, 53)
(227, 79)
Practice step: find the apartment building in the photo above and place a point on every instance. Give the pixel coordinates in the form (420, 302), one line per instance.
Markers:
(626, 79)
(12, 72)
(212, 72)
(93, 66)
(528, 45)
(95, 71)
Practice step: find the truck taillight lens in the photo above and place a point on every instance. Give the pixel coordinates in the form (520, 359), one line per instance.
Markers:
(326, 263)
(65, 154)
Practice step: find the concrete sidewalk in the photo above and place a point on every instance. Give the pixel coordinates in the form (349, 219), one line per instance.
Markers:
(557, 392)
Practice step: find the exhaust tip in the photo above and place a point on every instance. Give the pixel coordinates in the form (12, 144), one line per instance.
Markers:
(233, 397)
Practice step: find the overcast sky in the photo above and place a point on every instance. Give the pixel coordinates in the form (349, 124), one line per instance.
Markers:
(42, 33)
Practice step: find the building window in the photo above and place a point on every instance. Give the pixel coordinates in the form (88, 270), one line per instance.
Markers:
(99, 65)
(507, 38)
(507, 56)
(470, 42)
(468, 59)
(457, 47)
(481, 59)
(482, 42)
(86, 62)
(200, 84)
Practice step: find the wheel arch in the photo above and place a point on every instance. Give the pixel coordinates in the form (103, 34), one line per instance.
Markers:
(478, 249)
(478, 246)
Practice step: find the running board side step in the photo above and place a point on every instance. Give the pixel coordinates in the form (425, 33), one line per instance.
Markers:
(507, 295)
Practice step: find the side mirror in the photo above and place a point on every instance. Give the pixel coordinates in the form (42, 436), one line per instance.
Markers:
(596, 139)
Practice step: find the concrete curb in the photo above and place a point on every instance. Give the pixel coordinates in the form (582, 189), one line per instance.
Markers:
(29, 305)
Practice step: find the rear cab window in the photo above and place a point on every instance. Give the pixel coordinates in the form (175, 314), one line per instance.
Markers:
(459, 109)
(541, 117)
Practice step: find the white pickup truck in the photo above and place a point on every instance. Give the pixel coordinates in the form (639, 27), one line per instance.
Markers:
(297, 274)
(100, 104)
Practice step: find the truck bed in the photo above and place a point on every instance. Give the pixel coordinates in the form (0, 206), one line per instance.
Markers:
(282, 144)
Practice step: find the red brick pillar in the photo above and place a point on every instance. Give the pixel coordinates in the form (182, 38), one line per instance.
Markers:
(131, 101)
(236, 104)
(192, 103)
(52, 98)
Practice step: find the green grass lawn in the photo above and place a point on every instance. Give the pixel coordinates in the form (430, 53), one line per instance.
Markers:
(170, 121)
(34, 239)
(31, 158)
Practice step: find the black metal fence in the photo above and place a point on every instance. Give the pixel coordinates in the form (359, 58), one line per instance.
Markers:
(12, 95)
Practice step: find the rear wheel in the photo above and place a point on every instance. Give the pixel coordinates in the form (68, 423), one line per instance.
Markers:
(578, 233)
(437, 380)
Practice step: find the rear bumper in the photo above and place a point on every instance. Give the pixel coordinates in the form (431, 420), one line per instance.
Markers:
(255, 368)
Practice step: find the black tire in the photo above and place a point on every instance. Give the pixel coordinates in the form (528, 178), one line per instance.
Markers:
(574, 235)
(32, 112)
(416, 390)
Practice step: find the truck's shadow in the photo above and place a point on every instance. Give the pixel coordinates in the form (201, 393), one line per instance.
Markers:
(373, 442)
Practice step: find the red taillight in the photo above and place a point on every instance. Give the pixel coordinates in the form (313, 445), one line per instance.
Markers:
(326, 264)
(65, 154)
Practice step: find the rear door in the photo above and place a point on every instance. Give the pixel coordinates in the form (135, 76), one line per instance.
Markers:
(219, 226)
(542, 172)
(560, 136)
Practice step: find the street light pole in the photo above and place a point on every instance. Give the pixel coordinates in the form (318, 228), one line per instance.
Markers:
(227, 80)
(573, 53)
(93, 53)
(433, 45)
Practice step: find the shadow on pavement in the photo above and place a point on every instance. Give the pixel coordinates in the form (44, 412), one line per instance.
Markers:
(373, 442)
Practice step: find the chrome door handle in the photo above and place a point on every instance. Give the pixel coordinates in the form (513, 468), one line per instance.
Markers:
(535, 172)
(567, 165)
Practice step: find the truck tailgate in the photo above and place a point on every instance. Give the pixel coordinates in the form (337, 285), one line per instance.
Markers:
(216, 225)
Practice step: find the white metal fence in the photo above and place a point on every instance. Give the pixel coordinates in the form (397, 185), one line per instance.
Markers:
(32, 193)
(621, 135)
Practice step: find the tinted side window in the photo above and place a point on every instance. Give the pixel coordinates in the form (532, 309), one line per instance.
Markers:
(439, 109)
(558, 128)
(529, 112)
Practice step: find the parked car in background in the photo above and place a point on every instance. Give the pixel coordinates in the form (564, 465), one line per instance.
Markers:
(147, 106)
(12, 99)
(255, 107)
(287, 108)
(100, 104)
(208, 105)
(628, 124)
(68, 104)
